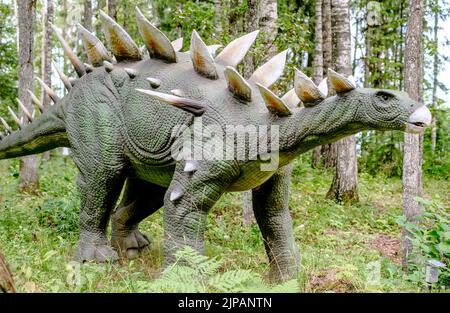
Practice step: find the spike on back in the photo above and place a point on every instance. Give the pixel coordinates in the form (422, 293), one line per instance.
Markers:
(291, 99)
(177, 44)
(8, 128)
(236, 50)
(15, 118)
(77, 64)
(237, 84)
(63, 77)
(339, 82)
(36, 101)
(268, 73)
(201, 58)
(25, 111)
(122, 46)
(95, 50)
(158, 45)
(274, 104)
(48, 90)
(306, 90)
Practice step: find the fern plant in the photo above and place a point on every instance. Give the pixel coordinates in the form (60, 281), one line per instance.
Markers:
(193, 272)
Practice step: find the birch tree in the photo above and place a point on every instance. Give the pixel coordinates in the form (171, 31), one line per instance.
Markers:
(29, 179)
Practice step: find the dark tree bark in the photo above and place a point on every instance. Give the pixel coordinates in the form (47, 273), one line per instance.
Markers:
(112, 9)
(87, 16)
(435, 79)
(328, 151)
(218, 16)
(29, 179)
(101, 4)
(318, 67)
(345, 182)
(6, 278)
(251, 24)
(412, 157)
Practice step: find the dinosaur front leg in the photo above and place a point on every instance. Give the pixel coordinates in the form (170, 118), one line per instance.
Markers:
(271, 207)
(190, 196)
(99, 192)
(140, 199)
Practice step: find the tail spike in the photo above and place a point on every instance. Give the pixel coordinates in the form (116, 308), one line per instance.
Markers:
(237, 84)
(158, 45)
(236, 50)
(36, 101)
(120, 42)
(95, 50)
(8, 128)
(274, 104)
(48, 90)
(25, 111)
(63, 77)
(77, 64)
(201, 58)
(268, 73)
(15, 118)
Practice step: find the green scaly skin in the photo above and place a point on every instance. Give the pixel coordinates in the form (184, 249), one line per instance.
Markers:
(119, 137)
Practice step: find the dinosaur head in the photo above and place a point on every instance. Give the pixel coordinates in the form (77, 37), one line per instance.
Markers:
(382, 109)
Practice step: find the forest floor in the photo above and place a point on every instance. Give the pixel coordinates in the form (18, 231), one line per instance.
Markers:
(339, 244)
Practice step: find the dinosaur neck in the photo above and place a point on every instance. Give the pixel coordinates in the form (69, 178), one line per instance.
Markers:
(311, 127)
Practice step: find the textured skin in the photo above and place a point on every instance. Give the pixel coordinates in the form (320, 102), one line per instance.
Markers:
(119, 136)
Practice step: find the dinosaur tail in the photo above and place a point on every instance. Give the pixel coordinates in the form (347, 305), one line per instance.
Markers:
(46, 132)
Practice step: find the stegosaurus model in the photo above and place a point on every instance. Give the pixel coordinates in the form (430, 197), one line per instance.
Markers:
(121, 131)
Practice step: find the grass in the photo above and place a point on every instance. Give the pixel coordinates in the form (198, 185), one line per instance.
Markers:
(338, 243)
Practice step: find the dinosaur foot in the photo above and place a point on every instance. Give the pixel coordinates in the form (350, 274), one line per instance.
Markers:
(99, 253)
(129, 246)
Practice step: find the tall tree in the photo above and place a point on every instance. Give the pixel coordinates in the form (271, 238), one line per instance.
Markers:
(218, 16)
(345, 181)
(29, 179)
(98, 26)
(251, 24)
(328, 151)
(112, 9)
(318, 66)
(412, 158)
(435, 74)
(46, 49)
(87, 16)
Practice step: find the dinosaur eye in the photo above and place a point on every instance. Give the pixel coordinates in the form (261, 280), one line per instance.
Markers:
(384, 96)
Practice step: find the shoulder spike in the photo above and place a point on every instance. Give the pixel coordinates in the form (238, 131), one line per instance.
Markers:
(95, 50)
(36, 101)
(154, 82)
(109, 67)
(131, 72)
(157, 43)
(237, 84)
(291, 99)
(306, 90)
(269, 72)
(339, 82)
(63, 77)
(25, 111)
(77, 64)
(8, 128)
(48, 90)
(274, 104)
(323, 87)
(201, 58)
(186, 104)
(122, 46)
(15, 118)
(236, 50)
(177, 44)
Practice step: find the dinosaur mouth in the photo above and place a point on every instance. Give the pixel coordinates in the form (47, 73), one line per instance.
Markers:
(418, 120)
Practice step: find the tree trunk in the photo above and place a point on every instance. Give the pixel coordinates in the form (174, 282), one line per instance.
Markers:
(318, 67)
(412, 155)
(268, 27)
(46, 57)
(435, 79)
(218, 16)
(251, 24)
(87, 16)
(328, 151)
(112, 9)
(29, 179)
(345, 182)
(6, 279)
(98, 25)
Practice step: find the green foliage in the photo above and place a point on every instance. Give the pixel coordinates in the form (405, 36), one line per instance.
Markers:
(430, 238)
(196, 273)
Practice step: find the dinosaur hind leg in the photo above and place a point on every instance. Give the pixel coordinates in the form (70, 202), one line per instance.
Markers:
(140, 199)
